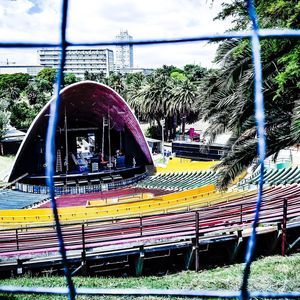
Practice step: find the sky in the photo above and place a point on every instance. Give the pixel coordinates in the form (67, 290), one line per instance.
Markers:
(99, 20)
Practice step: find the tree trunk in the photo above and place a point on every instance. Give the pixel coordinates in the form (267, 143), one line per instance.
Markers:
(174, 126)
(159, 125)
(183, 126)
(166, 131)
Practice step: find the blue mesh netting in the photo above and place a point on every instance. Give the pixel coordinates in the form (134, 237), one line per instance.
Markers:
(243, 293)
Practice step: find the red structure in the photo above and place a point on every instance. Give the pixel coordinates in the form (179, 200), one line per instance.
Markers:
(97, 133)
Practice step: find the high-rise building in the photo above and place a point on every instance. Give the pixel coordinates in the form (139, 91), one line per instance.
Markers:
(124, 53)
(79, 60)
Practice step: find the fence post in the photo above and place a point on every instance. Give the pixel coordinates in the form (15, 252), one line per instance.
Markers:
(241, 214)
(83, 253)
(197, 262)
(17, 240)
(284, 220)
(141, 226)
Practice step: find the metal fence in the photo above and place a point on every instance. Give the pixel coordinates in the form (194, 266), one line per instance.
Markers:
(254, 35)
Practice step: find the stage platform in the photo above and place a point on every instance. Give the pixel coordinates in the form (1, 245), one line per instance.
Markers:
(84, 183)
(63, 177)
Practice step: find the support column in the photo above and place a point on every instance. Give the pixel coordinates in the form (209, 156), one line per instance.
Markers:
(188, 257)
(284, 220)
(197, 262)
(139, 262)
(84, 268)
(237, 246)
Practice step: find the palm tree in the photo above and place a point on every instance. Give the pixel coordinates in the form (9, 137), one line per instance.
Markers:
(11, 93)
(183, 101)
(115, 81)
(228, 105)
(4, 116)
(151, 100)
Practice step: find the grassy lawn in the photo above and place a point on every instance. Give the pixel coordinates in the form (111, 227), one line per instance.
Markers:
(271, 274)
(6, 163)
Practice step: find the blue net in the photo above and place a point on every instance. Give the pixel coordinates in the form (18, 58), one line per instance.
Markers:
(243, 293)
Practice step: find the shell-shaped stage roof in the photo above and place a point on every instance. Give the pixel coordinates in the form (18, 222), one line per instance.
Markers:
(86, 103)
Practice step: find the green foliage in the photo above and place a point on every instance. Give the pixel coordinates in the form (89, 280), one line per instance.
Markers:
(169, 94)
(70, 78)
(275, 273)
(25, 96)
(290, 71)
(154, 97)
(194, 73)
(4, 116)
(35, 94)
(167, 70)
(132, 78)
(116, 82)
(180, 76)
(227, 101)
(153, 132)
(17, 80)
(98, 77)
(48, 74)
(22, 114)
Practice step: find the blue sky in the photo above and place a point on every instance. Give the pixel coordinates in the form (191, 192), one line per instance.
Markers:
(91, 20)
(36, 7)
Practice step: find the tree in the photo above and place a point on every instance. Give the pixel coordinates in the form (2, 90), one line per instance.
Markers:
(11, 86)
(11, 91)
(116, 82)
(194, 73)
(184, 100)
(4, 117)
(49, 75)
(133, 83)
(167, 94)
(70, 78)
(35, 94)
(180, 76)
(227, 102)
(98, 77)
(150, 100)
(17, 80)
(22, 114)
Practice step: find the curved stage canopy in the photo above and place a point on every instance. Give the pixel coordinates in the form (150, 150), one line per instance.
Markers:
(95, 124)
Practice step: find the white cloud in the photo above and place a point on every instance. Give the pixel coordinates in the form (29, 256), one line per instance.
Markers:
(17, 24)
(95, 20)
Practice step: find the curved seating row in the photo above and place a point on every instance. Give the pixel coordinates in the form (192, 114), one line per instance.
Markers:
(175, 202)
(10, 199)
(216, 220)
(277, 176)
(177, 164)
(82, 199)
(180, 201)
(179, 181)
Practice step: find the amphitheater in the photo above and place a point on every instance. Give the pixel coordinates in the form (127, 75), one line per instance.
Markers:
(169, 218)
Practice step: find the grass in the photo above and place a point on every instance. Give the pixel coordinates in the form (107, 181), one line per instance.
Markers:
(270, 274)
(6, 163)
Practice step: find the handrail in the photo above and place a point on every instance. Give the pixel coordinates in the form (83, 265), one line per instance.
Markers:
(150, 213)
(172, 226)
